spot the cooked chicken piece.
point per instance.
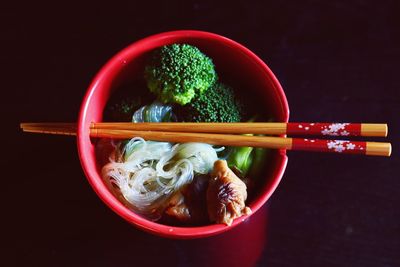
(177, 207)
(226, 195)
(189, 204)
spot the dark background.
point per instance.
(336, 60)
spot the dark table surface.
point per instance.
(336, 60)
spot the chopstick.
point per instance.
(271, 128)
(321, 145)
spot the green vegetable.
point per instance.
(217, 104)
(259, 158)
(178, 73)
(241, 158)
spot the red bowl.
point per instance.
(233, 61)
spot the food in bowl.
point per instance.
(182, 184)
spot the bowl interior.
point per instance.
(235, 65)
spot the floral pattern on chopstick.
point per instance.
(335, 129)
(329, 129)
(340, 146)
(336, 146)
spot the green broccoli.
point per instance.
(217, 104)
(178, 73)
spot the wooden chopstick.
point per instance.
(51, 131)
(338, 146)
(271, 128)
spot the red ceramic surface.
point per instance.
(232, 60)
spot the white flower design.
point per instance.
(331, 144)
(350, 146)
(339, 145)
(337, 126)
(344, 133)
(334, 128)
(325, 132)
(340, 148)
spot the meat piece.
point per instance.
(189, 204)
(195, 198)
(226, 195)
(177, 207)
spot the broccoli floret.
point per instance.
(217, 104)
(178, 73)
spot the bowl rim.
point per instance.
(111, 201)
